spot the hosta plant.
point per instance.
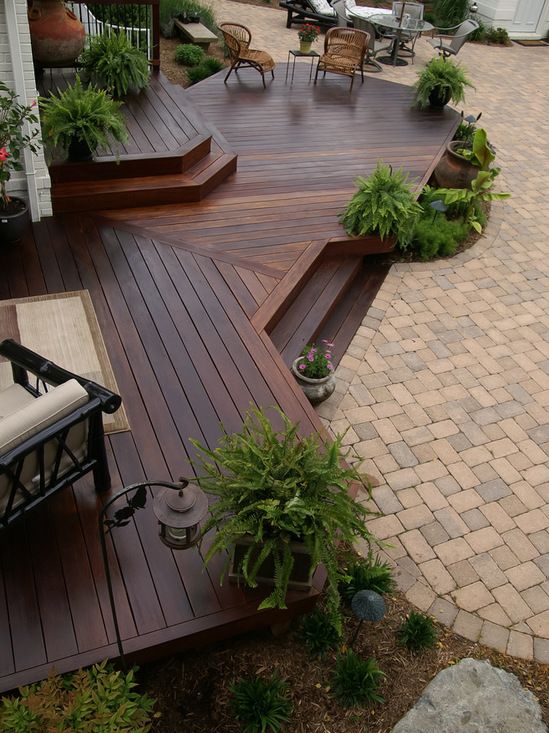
(276, 487)
(114, 64)
(261, 705)
(384, 204)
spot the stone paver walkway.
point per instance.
(445, 389)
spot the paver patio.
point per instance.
(445, 389)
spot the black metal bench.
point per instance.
(299, 11)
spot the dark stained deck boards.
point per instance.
(175, 289)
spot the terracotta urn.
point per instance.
(316, 390)
(454, 170)
(57, 36)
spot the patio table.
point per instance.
(398, 25)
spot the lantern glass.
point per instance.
(179, 514)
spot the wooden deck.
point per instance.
(192, 299)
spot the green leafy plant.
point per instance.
(471, 198)
(277, 487)
(189, 54)
(316, 360)
(442, 77)
(209, 66)
(318, 632)
(123, 16)
(385, 204)
(480, 153)
(81, 113)
(355, 680)
(261, 706)
(95, 700)
(111, 62)
(437, 236)
(417, 632)
(450, 12)
(479, 34)
(13, 139)
(498, 36)
(370, 573)
(467, 128)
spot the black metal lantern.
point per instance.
(179, 514)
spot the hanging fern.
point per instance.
(278, 487)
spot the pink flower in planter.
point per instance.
(302, 366)
(330, 367)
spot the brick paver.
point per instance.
(445, 387)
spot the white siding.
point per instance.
(500, 14)
(18, 183)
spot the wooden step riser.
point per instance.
(146, 196)
(133, 166)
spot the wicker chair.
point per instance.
(237, 39)
(344, 52)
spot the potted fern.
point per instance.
(384, 204)
(283, 506)
(440, 82)
(80, 119)
(111, 62)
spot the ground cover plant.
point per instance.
(261, 705)
(318, 632)
(355, 680)
(210, 65)
(194, 690)
(417, 632)
(189, 54)
(370, 573)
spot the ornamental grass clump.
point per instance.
(384, 204)
(356, 681)
(277, 487)
(418, 632)
(370, 573)
(261, 705)
(316, 360)
(318, 632)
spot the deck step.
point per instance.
(151, 190)
(347, 316)
(313, 306)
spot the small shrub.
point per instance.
(479, 34)
(189, 54)
(261, 706)
(417, 632)
(438, 236)
(114, 64)
(384, 203)
(318, 632)
(355, 680)
(498, 36)
(370, 573)
(94, 699)
(209, 66)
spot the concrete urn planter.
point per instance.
(316, 390)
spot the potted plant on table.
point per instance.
(283, 506)
(14, 213)
(314, 371)
(80, 119)
(440, 81)
(307, 35)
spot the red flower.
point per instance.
(4, 155)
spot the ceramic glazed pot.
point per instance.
(439, 98)
(14, 223)
(57, 36)
(316, 390)
(453, 170)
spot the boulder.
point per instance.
(474, 697)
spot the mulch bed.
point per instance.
(193, 689)
(174, 72)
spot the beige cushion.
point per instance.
(33, 417)
(13, 398)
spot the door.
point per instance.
(527, 16)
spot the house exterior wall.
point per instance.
(18, 32)
(501, 13)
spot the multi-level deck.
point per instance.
(202, 306)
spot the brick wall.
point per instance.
(18, 183)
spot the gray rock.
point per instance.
(474, 697)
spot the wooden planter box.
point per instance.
(300, 578)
